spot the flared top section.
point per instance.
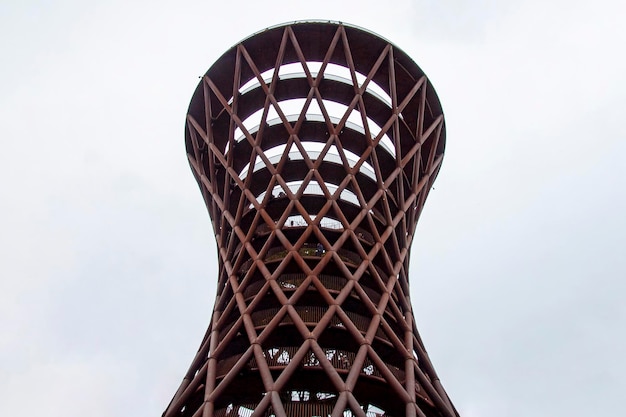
(315, 123)
(315, 40)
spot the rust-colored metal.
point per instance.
(315, 145)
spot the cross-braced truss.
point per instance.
(315, 146)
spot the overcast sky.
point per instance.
(107, 258)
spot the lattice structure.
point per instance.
(315, 145)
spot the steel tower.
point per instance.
(315, 145)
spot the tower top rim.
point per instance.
(329, 22)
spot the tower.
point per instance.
(315, 145)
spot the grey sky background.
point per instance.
(107, 257)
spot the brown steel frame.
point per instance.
(312, 319)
